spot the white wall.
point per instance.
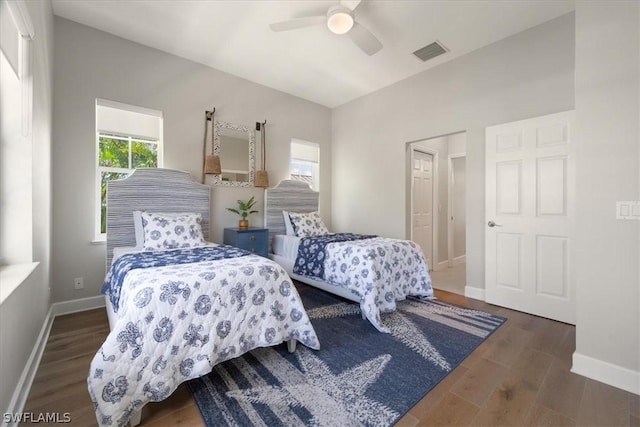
(91, 64)
(526, 75)
(607, 165)
(23, 313)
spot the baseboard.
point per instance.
(76, 305)
(606, 372)
(459, 260)
(23, 387)
(473, 292)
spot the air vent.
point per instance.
(430, 51)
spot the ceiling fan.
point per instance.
(340, 19)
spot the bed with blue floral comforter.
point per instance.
(181, 312)
(379, 271)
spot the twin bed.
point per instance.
(178, 305)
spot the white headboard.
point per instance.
(288, 195)
(152, 190)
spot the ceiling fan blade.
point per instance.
(364, 39)
(350, 4)
(294, 24)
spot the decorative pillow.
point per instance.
(288, 227)
(172, 230)
(308, 224)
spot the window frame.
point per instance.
(99, 236)
(315, 164)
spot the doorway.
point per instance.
(440, 201)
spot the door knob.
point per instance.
(493, 224)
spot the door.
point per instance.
(529, 218)
(458, 214)
(422, 203)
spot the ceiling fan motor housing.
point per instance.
(339, 19)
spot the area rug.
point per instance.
(359, 376)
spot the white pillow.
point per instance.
(288, 227)
(171, 231)
(308, 224)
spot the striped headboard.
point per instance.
(152, 190)
(288, 195)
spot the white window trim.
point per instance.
(99, 236)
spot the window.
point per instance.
(16, 150)
(126, 140)
(305, 163)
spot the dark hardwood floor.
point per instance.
(519, 377)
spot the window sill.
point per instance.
(12, 276)
(99, 240)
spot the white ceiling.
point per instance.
(312, 63)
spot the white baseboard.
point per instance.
(76, 305)
(459, 260)
(606, 372)
(473, 292)
(23, 387)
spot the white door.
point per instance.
(530, 199)
(422, 203)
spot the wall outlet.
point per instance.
(78, 283)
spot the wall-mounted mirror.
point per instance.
(236, 146)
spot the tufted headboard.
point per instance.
(152, 190)
(288, 195)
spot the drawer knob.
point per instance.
(252, 237)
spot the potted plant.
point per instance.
(244, 210)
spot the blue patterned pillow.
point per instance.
(308, 224)
(172, 230)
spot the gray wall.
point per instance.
(526, 75)
(27, 306)
(91, 64)
(607, 165)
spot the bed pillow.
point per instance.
(308, 224)
(288, 227)
(171, 231)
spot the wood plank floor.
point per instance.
(519, 377)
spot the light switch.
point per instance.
(628, 210)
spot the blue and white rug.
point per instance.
(359, 376)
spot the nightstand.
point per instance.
(255, 240)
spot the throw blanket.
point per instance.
(311, 252)
(176, 322)
(379, 271)
(127, 262)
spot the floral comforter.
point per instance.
(176, 322)
(379, 271)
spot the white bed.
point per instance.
(171, 323)
(396, 282)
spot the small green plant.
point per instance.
(244, 208)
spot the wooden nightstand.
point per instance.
(255, 240)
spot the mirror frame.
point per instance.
(221, 126)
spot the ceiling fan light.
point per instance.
(339, 20)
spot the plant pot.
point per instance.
(243, 224)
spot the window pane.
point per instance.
(106, 176)
(144, 154)
(114, 153)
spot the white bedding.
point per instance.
(176, 322)
(377, 271)
(286, 246)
